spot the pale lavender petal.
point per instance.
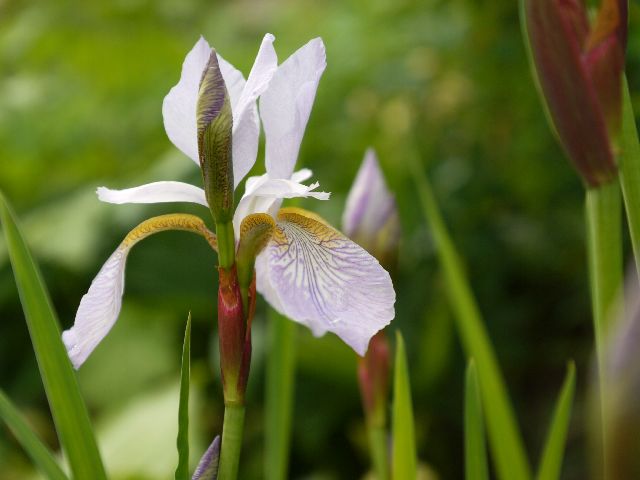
(323, 280)
(179, 106)
(157, 192)
(264, 195)
(99, 308)
(207, 469)
(370, 204)
(286, 105)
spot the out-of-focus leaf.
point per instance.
(182, 470)
(403, 461)
(551, 462)
(475, 451)
(208, 467)
(67, 407)
(505, 440)
(39, 453)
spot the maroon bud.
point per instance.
(373, 377)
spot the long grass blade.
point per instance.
(553, 452)
(182, 471)
(37, 451)
(630, 171)
(475, 450)
(280, 382)
(403, 456)
(506, 443)
(61, 386)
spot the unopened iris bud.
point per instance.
(215, 122)
(579, 68)
(373, 378)
(371, 216)
(207, 468)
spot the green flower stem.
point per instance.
(231, 442)
(280, 381)
(226, 244)
(604, 237)
(378, 450)
(505, 440)
(629, 161)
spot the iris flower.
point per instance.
(308, 271)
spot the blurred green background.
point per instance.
(446, 82)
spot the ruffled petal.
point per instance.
(99, 308)
(157, 192)
(179, 106)
(316, 276)
(286, 105)
(371, 208)
(264, 194)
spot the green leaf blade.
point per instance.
(68, 409)
(37, 451)
(474, 445)
(182, 442)
(404, 461)
(553, 452)
(506, 442)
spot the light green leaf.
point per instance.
(551, 462)
(280, 383)
(475, 451)
(403, 462)
(182, 471)
(629, 160)
(39, 453)
(61, 386)
(505, 440)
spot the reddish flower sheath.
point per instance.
(373, 377)
(580, 72)
(234, 332)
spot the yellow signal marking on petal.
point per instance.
(285, 212)
(258, 225)
(308, 221)
(173, 221)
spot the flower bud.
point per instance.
(215, 122)
(207, 468)
(579, 69)
(373, 377)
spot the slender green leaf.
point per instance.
(475, 451)
(182, 471)
(404, 445)
(280, 380)
(505, 440)
(34, 447)
(629, 160)
(61, 386)
(551, 462)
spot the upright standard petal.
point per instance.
(318, 277)
(157, 192)
(100, 306)
(179, 106)
(286, 105)
(264, 194)
(246, 125)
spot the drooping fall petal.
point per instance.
(286, 105)
(100, 306)
(316, 276)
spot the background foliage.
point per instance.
(446, 82)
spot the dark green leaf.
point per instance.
(474, 447)
(182, 471)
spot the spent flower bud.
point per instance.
(579, 68)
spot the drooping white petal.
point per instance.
(179, 106)
(286, 105)
(370, 205)
(99, 308)
(316, 276)
(264, 194)
(157, 192)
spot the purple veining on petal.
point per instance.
(207, 469)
